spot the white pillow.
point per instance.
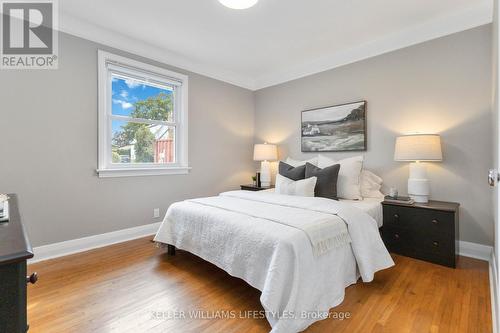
(303, 187)
(296, 163)
(348, 183)
(370, 185)
(370, 176)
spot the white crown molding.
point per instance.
(72, 246)
(86, 30)
(479, 14)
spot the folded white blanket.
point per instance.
(323, 230)
(367, 245)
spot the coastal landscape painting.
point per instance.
(334, 128)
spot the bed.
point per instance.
(300, 252)
(371, 206)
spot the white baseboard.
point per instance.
(474, 250)
(60, 249)
(494, 292)
(72, 246)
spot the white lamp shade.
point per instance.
(265, 152)
(238, 4)
(418, 147)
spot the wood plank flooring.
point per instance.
(135, 287)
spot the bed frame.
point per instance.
(170, 250)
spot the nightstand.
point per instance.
(423, 231)
(251, 187)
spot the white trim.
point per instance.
(65, 248)
(479, 13)
(494, 292)
(108, 63)
(474, 250)
(135, 172)
(83, 29)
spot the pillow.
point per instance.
(370, 185)
(290, 172)
(350, 170)
(296, 163)
(303, 187)
(326, 185)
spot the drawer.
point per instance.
(398, 216)
(442, 245)
(399, 240)
(435, 222)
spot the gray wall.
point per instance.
(48, 149)
(441, 86)
(48, 122)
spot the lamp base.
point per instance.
(419, 198)
(265, 174)
(418, 184)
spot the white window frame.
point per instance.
(109, 64)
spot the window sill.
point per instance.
(135, 172)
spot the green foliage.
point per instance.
(116, 157)
(159, 107)
(144, 145)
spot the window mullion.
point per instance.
(142, 120)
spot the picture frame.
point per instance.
(336, 128)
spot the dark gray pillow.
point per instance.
(294, 173)
(326, 185)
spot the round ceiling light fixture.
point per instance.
(238, 4)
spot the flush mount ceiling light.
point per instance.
(238, 4)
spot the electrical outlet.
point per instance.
(156, 212)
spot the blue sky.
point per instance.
(125, 93)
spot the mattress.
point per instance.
(371, 206)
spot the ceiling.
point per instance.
(274, 41)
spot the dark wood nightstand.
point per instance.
(251, 187)
(423, 231)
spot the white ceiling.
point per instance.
(272, 42)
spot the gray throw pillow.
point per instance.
(293, 173)
(326, 185)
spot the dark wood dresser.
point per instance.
(251, 187)
(423, 231)
(15, 249)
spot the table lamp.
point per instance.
(265, 153)
(418, 148)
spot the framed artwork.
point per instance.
(334, 128)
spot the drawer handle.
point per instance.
(32, 278)
(396, 217)
(436, 244)
(396, 236)
(435, 221)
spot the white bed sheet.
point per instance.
(371, 206)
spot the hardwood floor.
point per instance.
(133, 287)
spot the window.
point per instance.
(142, 119)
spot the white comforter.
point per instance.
(275, 256)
